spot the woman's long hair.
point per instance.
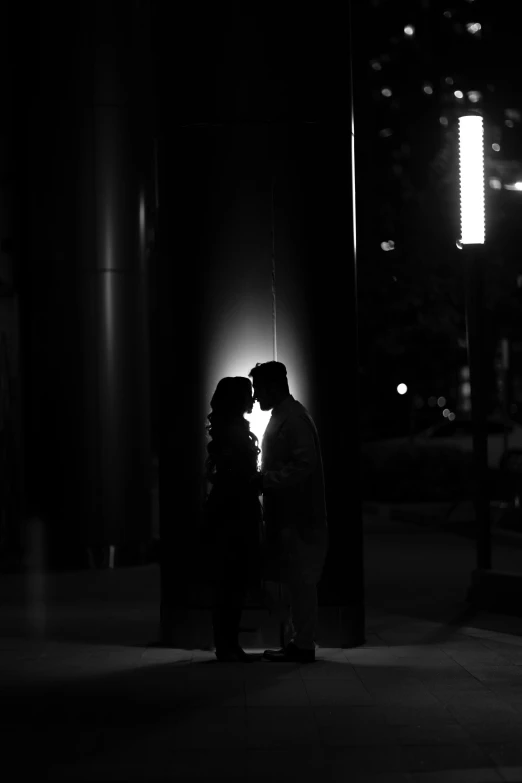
(228, 405)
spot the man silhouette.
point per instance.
(292, 484)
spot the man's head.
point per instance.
(270, 384)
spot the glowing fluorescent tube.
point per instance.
(471, 171)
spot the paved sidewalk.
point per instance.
(434, 695)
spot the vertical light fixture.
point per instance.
(471, 171)
(472, 242)
(274, 303)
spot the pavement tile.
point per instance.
(508, 652)
(280, 727)
(388, 689)
(478, 658)
(180, 765)
(373, 777)
(173, 688)
(268, 693)
(166, 655)
(511, 694)
(438, 758)
(332, 669)
(482, 775)
(479, 708)
(353, 726)
(333, 693)
(510, 774)
(371, 760)
(431, 734)
(279, 765)
(423, 651)
(503, 753)
(497, 674)
(406, 715)
(501, 732)
(364, 654)
(206, 727)
(448, 692)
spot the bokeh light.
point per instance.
(474, 96)
(402, 388)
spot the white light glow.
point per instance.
(451, 417)
(441, 402)
(258, 422)
(459, 94)
(514, 186)
(386, 92)
(402, 388)
(495, 183)
(471, 170)
(474, 27)
(446, 413)
(409, 30)
(428, 89)
(495, 147)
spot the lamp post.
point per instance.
(472, 243)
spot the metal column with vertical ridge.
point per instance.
(112, 208)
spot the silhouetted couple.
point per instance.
(294, 510)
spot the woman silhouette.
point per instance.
(233, 512)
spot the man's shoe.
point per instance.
(290, 654)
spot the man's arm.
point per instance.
(303, 460)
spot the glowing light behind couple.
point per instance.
(233, 356)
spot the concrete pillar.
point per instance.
(88, 188)
(256, 118)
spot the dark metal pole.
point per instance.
(474, 256)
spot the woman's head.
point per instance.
(233, 398)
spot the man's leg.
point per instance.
(304, 565)
(305, 569)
